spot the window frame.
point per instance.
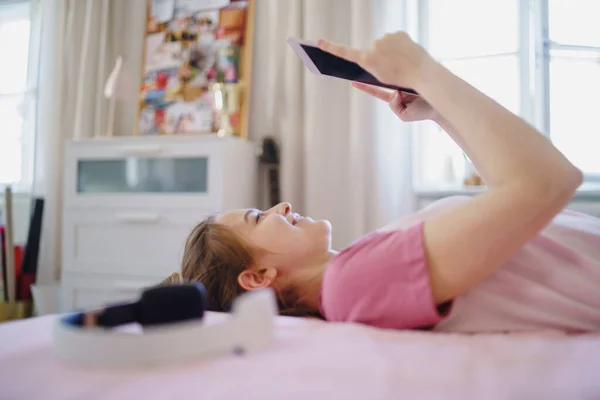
(534, 54)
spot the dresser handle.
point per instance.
(140, 150)
(138, 218)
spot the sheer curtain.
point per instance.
(19, 44)
(80, 42)
(345, 157)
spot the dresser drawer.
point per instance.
(88, 291)
(151, 173)
(126, 241)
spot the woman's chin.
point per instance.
(326, 225)
(320, 229)
(325, 231)
(322, 225)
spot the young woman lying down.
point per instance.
(509, 259)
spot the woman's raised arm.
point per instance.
(532, 180)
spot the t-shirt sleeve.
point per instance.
(381, 280)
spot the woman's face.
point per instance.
(280, 238)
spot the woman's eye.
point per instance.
(259, 217)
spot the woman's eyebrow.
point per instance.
(248, 213)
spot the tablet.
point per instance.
(320, 62)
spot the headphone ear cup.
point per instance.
(172, 303)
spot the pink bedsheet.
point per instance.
(314, 359)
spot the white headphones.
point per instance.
(169, 335)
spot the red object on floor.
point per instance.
(25, 282)
(18, 257)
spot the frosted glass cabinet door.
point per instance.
(143, 175)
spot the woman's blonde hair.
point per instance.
(215, 255)
(174, 278)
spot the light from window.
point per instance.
(574, 22)
(472, 28)
(14, 47)
(575, 108)
(496, 76)
(479, 42)
(574, 81)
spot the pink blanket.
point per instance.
(314, 359)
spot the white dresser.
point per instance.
(129, 204)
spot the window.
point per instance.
(17, 93)
(572, 56)
(539, 58)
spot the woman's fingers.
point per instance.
(396, 104)
(394, 99)
(345, 52)
(381, 94)
(397, 100)
(408, 98)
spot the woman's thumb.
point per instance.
(396, 103)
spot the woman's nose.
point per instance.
(283, 208)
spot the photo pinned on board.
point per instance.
(205, 24)
(147, 122)
(160, 13)
(179, 29)
(232, 25)
(161, 87)
(226, 66)
(200, 56)
(190, 117)
(161, 54)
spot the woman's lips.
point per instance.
(295, 219)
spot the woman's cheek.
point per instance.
(273, 233)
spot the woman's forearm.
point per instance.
(453, 133)
(505, 147)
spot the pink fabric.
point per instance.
(552, 283)
(381, 280)
(317, 360)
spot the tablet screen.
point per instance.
(331, 65)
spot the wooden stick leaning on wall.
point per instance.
(2, 272)
(9, 244)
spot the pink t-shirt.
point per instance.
(553, 282)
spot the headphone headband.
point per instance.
(248, 328)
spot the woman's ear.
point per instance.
(251, 279)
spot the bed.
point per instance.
(314, 359)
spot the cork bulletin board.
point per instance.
(196, 67)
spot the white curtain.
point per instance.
(80, 41)
(345, 157)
